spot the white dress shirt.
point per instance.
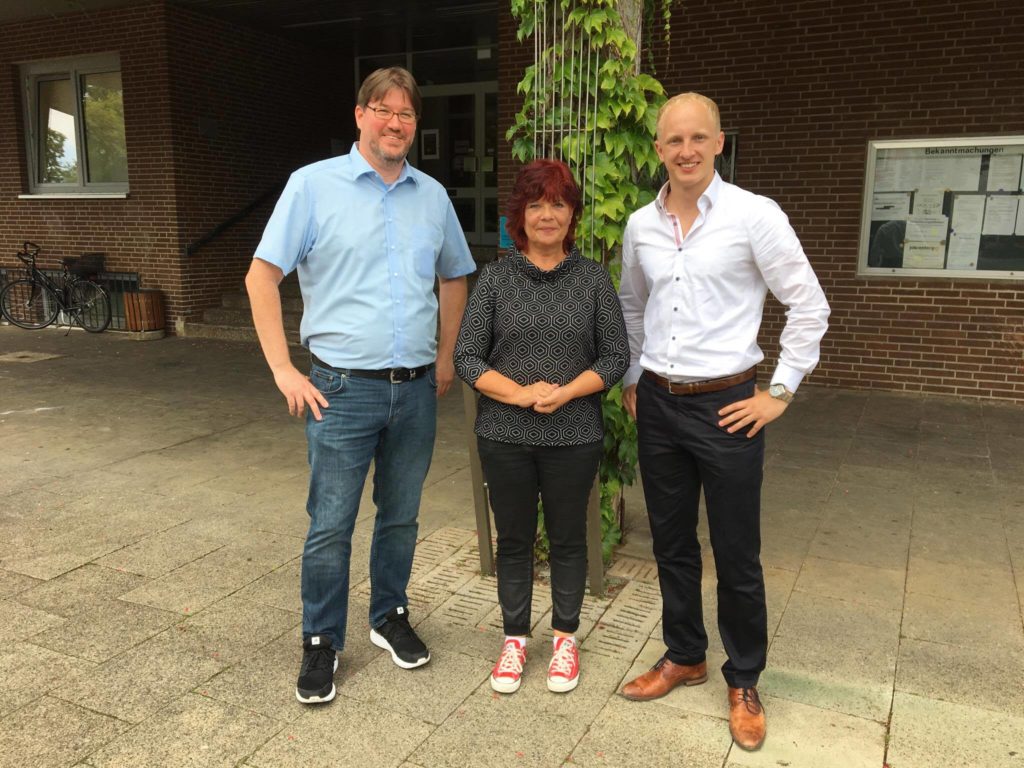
(693, 304)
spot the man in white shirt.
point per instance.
(697, 264)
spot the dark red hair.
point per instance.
(542, 180)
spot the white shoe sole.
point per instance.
(378, 639)
(563, 686)
(502, 686)
(319, 699)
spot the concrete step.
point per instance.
(230, 333)
(242, 318)
(241, 301)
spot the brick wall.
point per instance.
(215, 115)
(135, 233)
(807, 83)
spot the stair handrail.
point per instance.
(234, 218)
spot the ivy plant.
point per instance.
(585, 101)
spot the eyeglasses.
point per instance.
(385, 114)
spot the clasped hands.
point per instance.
(543, 397)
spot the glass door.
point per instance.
(457, 145)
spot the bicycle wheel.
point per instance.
(28, 304)
(90, 306)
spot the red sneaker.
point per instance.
(508, 672)
(564, 670)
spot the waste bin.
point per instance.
(144, 310)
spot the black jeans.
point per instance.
(563, 477)
(682, 449)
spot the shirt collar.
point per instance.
(532, 271)
(360, 167)
(705, 202)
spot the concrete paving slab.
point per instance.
(12, 583)
(848, 581)
(139, 682)
(625, 730)
(800, 735)
(485, 728)
(926, 733)
(162, 552)
(862, 542)
(217, 734)
(835, 654)
(967, 675)
(367, 737)
(77, 590)
(278, 589)
(991, 584)
(105, 629)
(49, 732)
(429, 693)
(28, 671)
(232, 628)
(22, 621)
(990, 627)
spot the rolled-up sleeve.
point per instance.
(476, 334)
(609, 335)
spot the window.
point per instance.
(74, 125)
(944, 208)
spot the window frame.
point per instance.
(74, 67)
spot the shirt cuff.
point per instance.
(632, 376)
(789, 377)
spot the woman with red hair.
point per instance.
(542, 337)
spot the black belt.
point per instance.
(394, 375)
(700, 387)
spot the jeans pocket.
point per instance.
(432, 377)
(327, 381)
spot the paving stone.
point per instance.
(648, 733)
(213, 733)
(28, 671)
(835, 654)
(928, 577)
(12, 583)
(21, 621)
(231, 629)
(79, 590)
(106, 629)
(995, 628)
(927, 733)
(848, 581)
(162, 552)
(429, 693)
(281, 588)
(53, 733)
(142, 680)
(368, 737)
(497, 733)
(962, 675)
(626, 625)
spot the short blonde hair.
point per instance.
(692, 96)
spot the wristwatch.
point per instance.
(779, 392)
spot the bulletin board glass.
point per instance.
(944, 208)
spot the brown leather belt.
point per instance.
(699, 387)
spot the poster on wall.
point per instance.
(944, 208)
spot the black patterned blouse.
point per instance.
(531, 325)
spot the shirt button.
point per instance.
(675, 309)
(677, 279)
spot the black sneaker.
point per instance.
(395, 635)
(316, 676)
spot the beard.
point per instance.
(388, 157)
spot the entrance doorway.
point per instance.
(457, 145)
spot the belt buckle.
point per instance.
(393, 376)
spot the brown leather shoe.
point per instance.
(746, 718)
(663, 677)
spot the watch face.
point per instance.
(775, 390)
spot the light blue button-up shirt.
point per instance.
(367, 254)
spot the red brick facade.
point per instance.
(215, 115)
(806, 84)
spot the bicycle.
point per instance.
(34, 301)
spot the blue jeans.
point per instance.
(394, 425)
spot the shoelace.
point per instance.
(562, 660)
(511, 660)
(321, 658)
(751, 701)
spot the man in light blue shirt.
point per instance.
(368, 234)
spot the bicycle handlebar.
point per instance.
(28, 252)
